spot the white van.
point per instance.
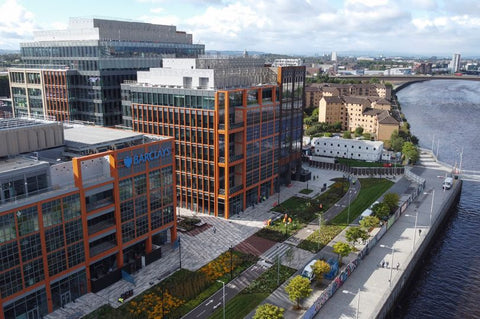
(366, 212)
(308, 270)
(447, 183)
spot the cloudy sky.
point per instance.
(423, 27)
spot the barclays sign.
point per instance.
(146, 157)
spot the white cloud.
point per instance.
(16, 24)
(157, 10)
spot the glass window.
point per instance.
(9, 256)
(155, 180)
(140, 184)
(76, 254)
(33, 272)
(31, 247)
(10, 282)
(27, 220)
(125, 188)
(142, 225)
(56, 262)
(52, 213)
(54, 238)
(71, 206)
(74, 231)
(7, 228)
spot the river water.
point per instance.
(447, 284)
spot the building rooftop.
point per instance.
(12, 123)
(83, 138)
(15, 164)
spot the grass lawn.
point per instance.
(243, 303)
(371, 190)
(315, 243)
(302, 211)
(306, 191)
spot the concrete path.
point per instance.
(372, 283)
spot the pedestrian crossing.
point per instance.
(276, 251)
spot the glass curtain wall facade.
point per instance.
(54, 250)
(292, 99)
(226, 142)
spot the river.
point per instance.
(447, 284)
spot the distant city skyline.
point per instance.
(307, 27)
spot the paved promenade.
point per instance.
(200, 249)
(369, 285)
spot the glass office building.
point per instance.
(95, 56)
(237, 127)
(69, 226)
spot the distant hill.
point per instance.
(2, 51)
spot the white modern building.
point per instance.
(455, 63)
(347, 148)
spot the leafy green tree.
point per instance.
(347, 134)
(268, 311)
(391, 200)
(337, 126)
(328, 134)
(342, 249)
(369, 222)
(359, 131)
(410, 152)
(353, 234)
(396, 142)
(381, 210)
(298, 288)
(367, 136)
(320, 268)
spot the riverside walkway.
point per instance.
(366, 291)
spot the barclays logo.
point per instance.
(146, 157)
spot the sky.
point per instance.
(299, 27)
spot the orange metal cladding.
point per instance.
(56, 94)
(166, 124)
(41, 230)
(77, 173)
(227, 133)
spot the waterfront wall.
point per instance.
(401, 284)
(349, 268)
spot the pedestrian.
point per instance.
(419, 232)
(398, 265)
(383, 263)
(214, 230)
(386, 264)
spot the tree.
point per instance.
(298, 288)
(381, 210)
(391, 200)
(347, 134)
(410, 152)
(353, 234)
(396, 142)
(359, 131)
(367, 136)
(337, 126)
(268, 311)
(320, 268)
(369, 222)
(342, 249)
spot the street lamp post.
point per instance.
(319, 227)
(231, 262)
(431, 205)
(391, 266)
(349, 199)
(223, 293)
(415, 231)
(357, 311)
(180, 251)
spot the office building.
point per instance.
(75, 214)
(455, 63)
(237, 127)
(75, 74)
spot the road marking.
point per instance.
(217, 305)
(201, 313)
(209, 302)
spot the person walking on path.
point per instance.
(398, 265)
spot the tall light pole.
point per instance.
(319, 227)
(415, 231)
(180, 251)
(391, 266)
(431, 205)
(223, 293)
(349, 199)
(357, 311)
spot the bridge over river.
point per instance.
(428, 159)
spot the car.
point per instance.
(447, 183)
(308, 270)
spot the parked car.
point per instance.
(447, 183)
